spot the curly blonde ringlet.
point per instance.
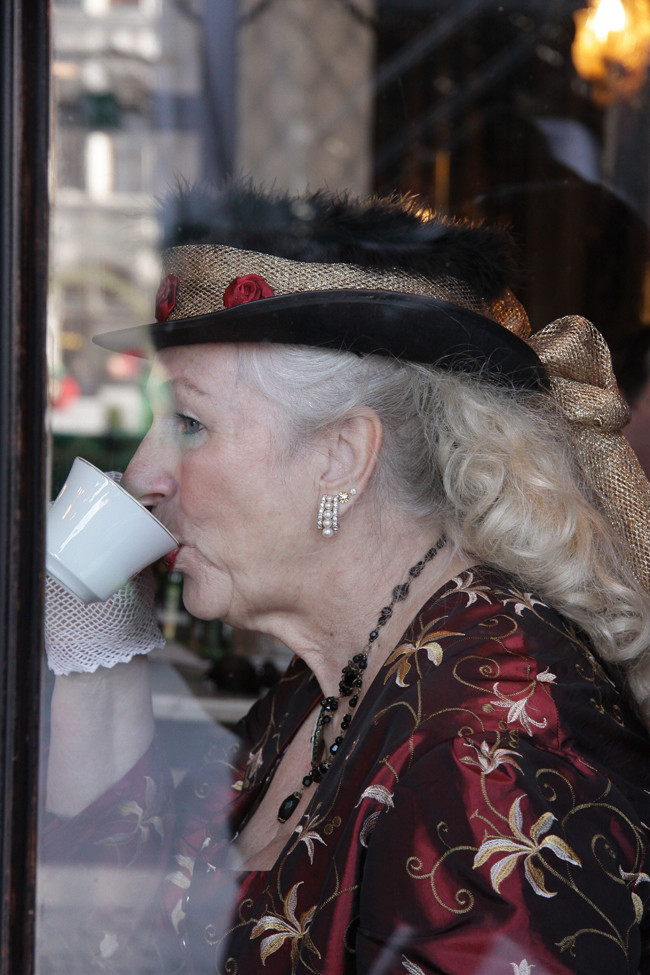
(493, 466)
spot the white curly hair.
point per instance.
(491, 465)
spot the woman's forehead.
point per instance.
(206, 367)
(211, 373)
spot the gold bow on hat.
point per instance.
(579, 365)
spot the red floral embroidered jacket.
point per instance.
(487, 814)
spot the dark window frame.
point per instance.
(24, 130)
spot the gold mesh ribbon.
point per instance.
(582, 382)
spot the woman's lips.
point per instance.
(170, 559)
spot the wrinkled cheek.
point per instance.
(198, 494)
(203, 517)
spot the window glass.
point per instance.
(522, 114)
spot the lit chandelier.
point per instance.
(611, 48)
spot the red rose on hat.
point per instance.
(248, 287)
(166, 297)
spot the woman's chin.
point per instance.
(199, 604)
(197, 609)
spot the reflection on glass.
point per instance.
(478, 109)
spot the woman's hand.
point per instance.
(80, 637)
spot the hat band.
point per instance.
(204, 273)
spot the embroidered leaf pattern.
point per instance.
(488, 759)
(178, 915)
(146, 818)
(381, 794)
(439, 690)
(368, 826)
(139, 821)
(399, 662)
(411, 967)
(522, 601)
(518, 703)
(527, 846)
(290, 927)
(545, 677)
(309, 837)
(253, 765)
(473, 590)
(182, 877)
(633, 880)
(434, 652)
(378, 792)
(523, 968)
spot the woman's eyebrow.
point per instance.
(188, 385)
(158, 388)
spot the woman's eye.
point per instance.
(187, 424)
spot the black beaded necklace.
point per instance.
(349, 687)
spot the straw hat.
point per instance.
(386, 277)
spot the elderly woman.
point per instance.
(361, 455)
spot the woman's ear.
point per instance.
(353, 446)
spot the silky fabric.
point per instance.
(484, 815)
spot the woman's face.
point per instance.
(209, 466)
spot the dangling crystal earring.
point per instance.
(328, 511)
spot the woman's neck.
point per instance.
(350, 586)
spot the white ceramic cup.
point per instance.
(99, 535)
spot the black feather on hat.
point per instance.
(327, 228)
(377, 276)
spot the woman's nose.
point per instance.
(149, 476)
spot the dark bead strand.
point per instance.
(349, 687)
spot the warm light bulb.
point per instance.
(611, 48)
(608, 16)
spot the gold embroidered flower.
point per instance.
(633, 880)
(489, 758)
(253, 765)
(288, 927)
(472, 590)
(307, 835)
(146, 818)
(517, 709)
(528, 847)
(522, 601)
(399, 661)
(142, 821)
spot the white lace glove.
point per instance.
(81, 637)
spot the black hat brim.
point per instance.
(414, 328)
